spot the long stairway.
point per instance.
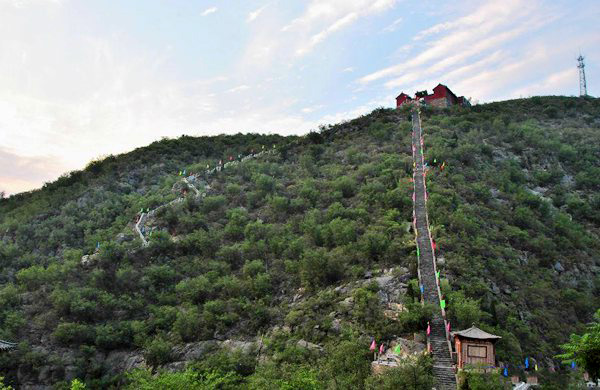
(438, 339)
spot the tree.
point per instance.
(348, 365)
(410, 375)
(475, 380)
(585, 350)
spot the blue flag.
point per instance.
(422, 289)
(505, 371)
(98, 245)
(526, 362)
(573, 364)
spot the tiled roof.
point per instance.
(476, 333)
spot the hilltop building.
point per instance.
(442, 96)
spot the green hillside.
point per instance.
(297, 259)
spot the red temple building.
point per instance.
(442, 96)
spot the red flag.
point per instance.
(434, 245)
(373, 346)
(230, 158)
(428, 328)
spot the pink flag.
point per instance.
(381, 349)
(373, 346)
(428, 329)
(434, 245)
(448, 326)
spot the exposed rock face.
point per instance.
(122, 361)
(310, 346)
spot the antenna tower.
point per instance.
(582, 85)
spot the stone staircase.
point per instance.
(139, 227)
(443, 368)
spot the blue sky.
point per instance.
(83, 79)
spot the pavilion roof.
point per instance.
(476, 333)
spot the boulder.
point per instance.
(310, 346)
(122, 361)
(122, 237)
(558, 267)
(194, 351)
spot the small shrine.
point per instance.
(474, 346)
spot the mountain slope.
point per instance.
(281, 252)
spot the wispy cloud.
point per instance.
(394, 25)
(239, 88)
(209, 11)
(464, 40)
(256, 13)
(348, 69)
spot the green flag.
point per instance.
(443, 303)
(398, 350)
(437, 274)
(418, 254)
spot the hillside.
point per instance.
(295, 260)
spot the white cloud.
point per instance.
(348, 69)
(308, 110)
(256, 13)
(394, 25)
(472, 35)
(209, 11)
(239, 88)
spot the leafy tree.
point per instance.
(410, 375)
(348, 365)
(585, 349)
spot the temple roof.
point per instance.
(6, 345)
(476, 333)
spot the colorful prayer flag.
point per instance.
(505, 371)
(437, 274)
(381, 349)
(573, 364)
(428, 328)
(535, 367)
(448, 326)
(422, 289)
(373, 346)
(443, 303)
(526, 362)
(418, 254)
(398, 350)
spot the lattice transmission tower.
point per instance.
(582, 85)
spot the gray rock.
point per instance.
(194, 351)
(237, 345)
(336, 326)
(122, 237)
(558, 267)
(384, 281)
(310, 346)
(121, 361)
(71, 372)
(175, 366)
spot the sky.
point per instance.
(80, 80)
